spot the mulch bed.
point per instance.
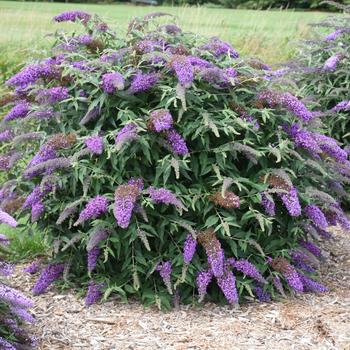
(304, 322)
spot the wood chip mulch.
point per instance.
(307, 321)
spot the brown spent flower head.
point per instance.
(61, 140)
(127, 190)
(180, 50)
(229, 201)
(258, 104)
(237, 108)
(280, 264)
(4, 100)
(276, 182)
(96, 45)
(209, 241)
(10, 206)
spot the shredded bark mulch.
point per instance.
(306, 321)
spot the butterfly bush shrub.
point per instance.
(14, 306)
(162, 165)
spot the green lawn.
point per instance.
(268, 34)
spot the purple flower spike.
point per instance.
(189, 248)
(112, 82)
(249, 269)
(95, 208)
(53, 95)
(315, 214)
(92, 258)
(47, 277)
(263, 296)
(7, 219)
(312, 248)
(37, 210)
(94, 293)
(125, 200)
(202, 281)
(162, 195)
(127, 134)
(15, 298)
(268, 204)
(95, 144)
(219, 48)
(6, 268)
(177, 143)
(21, 110)
(33, 268)
(183, 70)
(331, 64)
(5, 345)
(311, 285)
(227, 283)
(72, 16)
(161, 120)
(291, 202)
(165, 270)
(342, 106)
(334, 35)
(143, 82)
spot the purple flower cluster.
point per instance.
(331, 63)
(14, 298)
(198, 62)
(249, 269)
(6, 268)
(334, 35)
(189, 248)
(268, 204)
(20, 110)
(72, 16)
(38, 193)
(92, 258)
(95, 144)
(217, 76)
(33, 268)
(84, 39)
(183, 70)
(262, 295)
(162, 195)
(7, 219)
(50, 274)
(38, 209)
(161, 120)
(6, 135)
(96, 237)
(94, 293)
(227, 284)
(295, 106)
(165, 270)
(342, 106)
(202, 282)
(23, 314)
(30, 74)
(301, 260)
(330, 146)
(112, 82)
(125, 200)
(312, 248)
(143, 82)
(291, 202)
(95, 208)
(219, 48)
(115, 56)
(310, 285)
(177, 143)
(53, 95)
(315, 214)
(5, 345)
(4, 240)
(304, 139)
(127, 134)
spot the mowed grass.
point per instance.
(267, 34)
